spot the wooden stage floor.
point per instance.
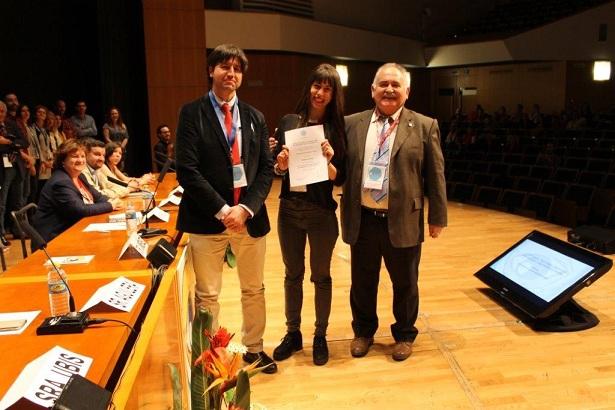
(470, 352)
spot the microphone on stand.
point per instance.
(147, 231)
(72, 322)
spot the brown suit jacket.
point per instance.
(416, 170)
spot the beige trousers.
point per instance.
(208, 257)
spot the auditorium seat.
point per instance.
(462, 192)
(460, 176)
(575, 162)
(486, 196)
(540, 172)
(528, 184)
(592, 178)
(599, 165)
(609, 181)
(565, 175)
(512, 200)
(482, 178)
(478, 166)
(555, 188)
(539, 206)
(518, 170)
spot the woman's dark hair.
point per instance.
(226, 52)
(334, 112)
(110, 149)
(64, 150)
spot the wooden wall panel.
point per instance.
(175, 58)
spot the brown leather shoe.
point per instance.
(402, 350)
(360, 346)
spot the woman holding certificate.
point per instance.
(308, 211)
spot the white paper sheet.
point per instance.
(42, 380)
(27, 316)
(71, 260)
(105, 227)
(121, 294)
(306, 164)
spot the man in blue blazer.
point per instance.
(225, 167)
(393, 161)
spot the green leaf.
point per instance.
(242, 391)
(229, 257)
(177, 387)
(199, 379)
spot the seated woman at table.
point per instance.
(113, 157)
(67, 197)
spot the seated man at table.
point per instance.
(95, 159)
(67, 196)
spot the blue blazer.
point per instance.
(61, 205)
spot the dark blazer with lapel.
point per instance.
(61, 205)
(416, 169)
(205, 171)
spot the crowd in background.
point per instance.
(32, 135)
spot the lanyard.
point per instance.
(384, 135)
(230, 139)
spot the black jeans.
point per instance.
(402, 264)
(298, 220)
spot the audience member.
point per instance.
(30, 155)
(83, 124)
(68, 197)
(114, 130)
(44, 145)
(12, 168)
(164, 148)
(113, 157)
(95, 159)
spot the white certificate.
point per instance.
(306, 164)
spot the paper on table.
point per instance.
(157, 213)
(121, 294)
(173, 199)
(43, 379)
(121, 217)
(27, 316)
(105, 227)
(71, 260)
(306, 164)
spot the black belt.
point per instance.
(379, 213)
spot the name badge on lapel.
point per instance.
(239, 176)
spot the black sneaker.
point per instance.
(320, 351)
(291, 343)
(265, 360)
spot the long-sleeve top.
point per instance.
(320, 193)
(84, 127)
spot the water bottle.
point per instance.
(58, 292)
(132, 224)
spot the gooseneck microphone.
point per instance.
(39, 243)
(147, 231)
(72, 322)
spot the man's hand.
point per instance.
(235, 219)
(435, 230)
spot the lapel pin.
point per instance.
(410, 123)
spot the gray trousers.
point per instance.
(298, 220)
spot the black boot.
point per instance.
(320, 351)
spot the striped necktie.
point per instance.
(381, 157)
